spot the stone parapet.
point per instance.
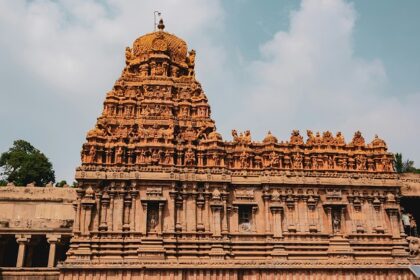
(36, 209)
(410, 184)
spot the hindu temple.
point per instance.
(161, 195)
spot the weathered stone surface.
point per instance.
(31, 208)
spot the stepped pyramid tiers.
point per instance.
(162, 196)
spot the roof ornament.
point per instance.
(154, 16)
(161, 26)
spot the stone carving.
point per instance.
(339, 139)
(358, 139)
(296, 138)
(243, 138)
(336, 222)
(414, 245)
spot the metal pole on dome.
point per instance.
(154, 15)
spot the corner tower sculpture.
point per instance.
(162, 196)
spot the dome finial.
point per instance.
(161, 26)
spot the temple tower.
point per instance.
(162, 196)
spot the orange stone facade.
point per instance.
(163, 196)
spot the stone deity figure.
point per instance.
(118, 155)
(128, 55)
(336, 222)
(297, 161)
(191, 58)
(189, 158)
(92, 154)
(245, 226)
(153, 220)
(414, 246)
(274, 160)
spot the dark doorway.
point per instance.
(152, 217)
(62, 248)
(9, 252)
(245, 218)
(37, 252)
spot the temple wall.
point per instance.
(20, 205)
(202, 220)
(35, 231)
(239, 274)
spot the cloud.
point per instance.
(309, 77)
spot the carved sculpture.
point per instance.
(414, 245)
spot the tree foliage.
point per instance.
(404, 166)
(23, 164)
(61, 184)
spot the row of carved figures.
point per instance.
(157, 67)
(157, 110)
(121, 155)
(326, 139)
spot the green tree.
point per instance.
(403, 166)
(61, 183)
(23, 164)
(398, 162)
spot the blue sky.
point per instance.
(335, 65)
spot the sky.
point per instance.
(336, 65)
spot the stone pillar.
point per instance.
(185, 210)
(254, 218)
(234, 220)
(52, 240)
(119, 210)
(277, 226)
(77, 209)
(266, 198)
(160, 226)
(191, 214)
(172, 210)
(329, 220)
(145, 210)
(96, 212)
(178, 210)
(104, 211)
(376, 211)
(126, 212)
(206, 218)
(110, 215)
(224, 217)
(393, 218)
(138, 212)
(87, 204)
(343, 220)
(133, 194)
(200, 206)
(217, 209)
(22, 240)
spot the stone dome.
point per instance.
(163, 42)
(378, 142)
(270, 138)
